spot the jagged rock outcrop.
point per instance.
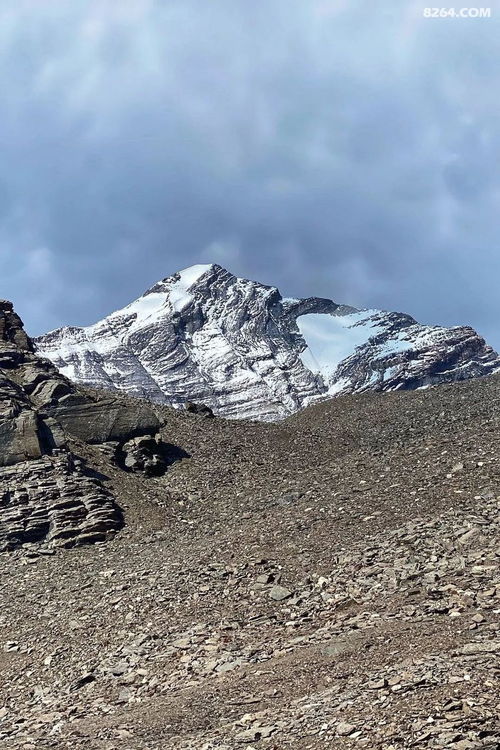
(242, 350)
(39, 407)
(46, 497)
(51, 501)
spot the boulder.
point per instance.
(20, 438)
(103, 420)
(148, 455)
(144, 454)
(201, 409)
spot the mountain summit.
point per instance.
(238, 346)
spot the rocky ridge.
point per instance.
(46, 495)
(207, 336)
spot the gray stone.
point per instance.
(280, 593)
(344, 729)
(487, 647)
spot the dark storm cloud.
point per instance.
(347, 149)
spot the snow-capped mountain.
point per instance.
(238, 346)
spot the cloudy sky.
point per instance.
(342, 148)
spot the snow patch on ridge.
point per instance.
(145, 311)
(332, 338)
(147, 308)
(179, 291)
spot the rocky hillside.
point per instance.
(239, 347)
(328, 581)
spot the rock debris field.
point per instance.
(330, 581)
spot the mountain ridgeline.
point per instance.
(239, 347)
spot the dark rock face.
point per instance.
(11, 327)
(103, 420)
(20, 424)
(46, 497)
(244, 351)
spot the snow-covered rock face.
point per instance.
(205, 335)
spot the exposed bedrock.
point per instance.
(46, 496)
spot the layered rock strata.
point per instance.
(52, 502)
